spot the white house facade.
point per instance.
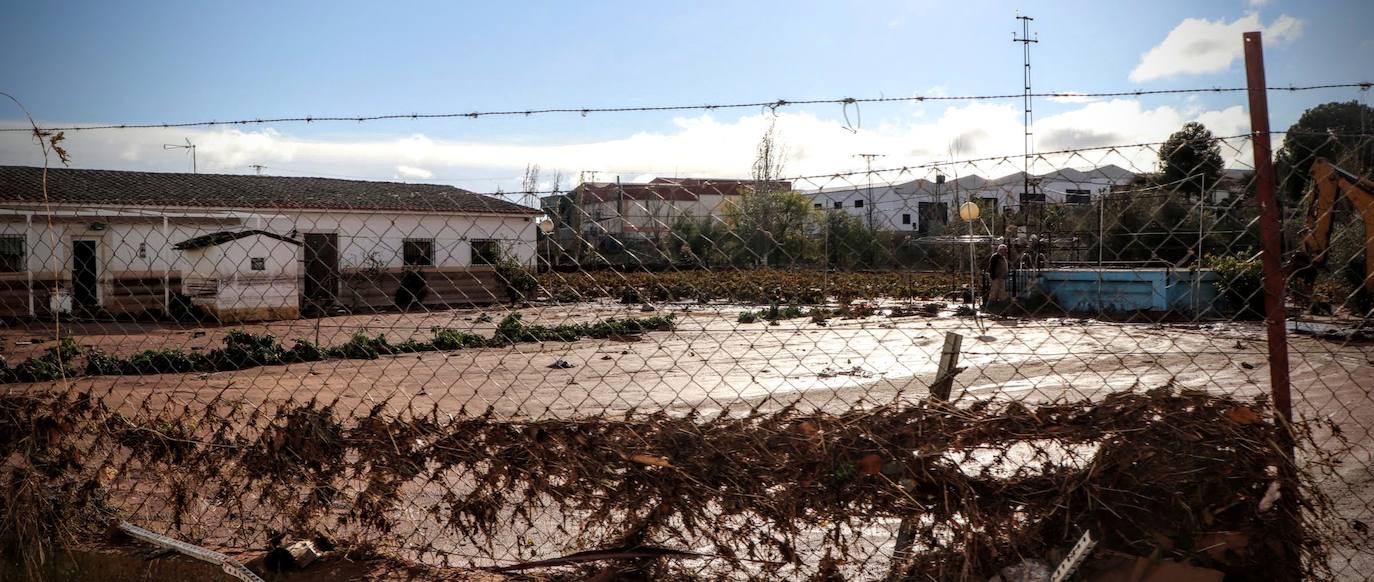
(107, 239)
(922, 206)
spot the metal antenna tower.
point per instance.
(868, 202)
(1025, 39)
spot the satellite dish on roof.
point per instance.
(546, 226)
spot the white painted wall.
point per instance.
(890, 202)
(227, 268)
(892, 205)
(367, 237)
(649, 216)
(135, 240)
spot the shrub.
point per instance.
(520, 284)
(99, 363)
(1240, 282)
(453, 339)
(305, 350)
(247, 350)
(362, 347)
(616, 327)
(167, 361)
(748, 317)
(55, 363)
(513, 329)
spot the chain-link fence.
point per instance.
(969, 369)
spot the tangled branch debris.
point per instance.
(765, 495)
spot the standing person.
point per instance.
(998, 269)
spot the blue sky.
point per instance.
(95, 62)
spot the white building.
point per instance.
(921, 205)
(605, 215)
(106, 239)
(217, 282)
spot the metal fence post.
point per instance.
(1271, 237)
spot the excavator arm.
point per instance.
(1329, 181)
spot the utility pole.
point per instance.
(578, 215)
(1029, 144)
(868, 202)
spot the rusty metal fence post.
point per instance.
(1275, 281)
(1271, 237)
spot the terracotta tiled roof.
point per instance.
(678, 189)
(163, 189)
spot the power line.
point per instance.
(767, 105)
(1005, 158)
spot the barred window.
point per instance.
(11, 254)
(417, 252)
(485, 252)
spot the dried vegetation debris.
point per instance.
(243, 350)
(757, 286)
(1167, 472)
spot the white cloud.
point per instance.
(1198, 46)
(701, 146)
(413, 172)
(1257, 3)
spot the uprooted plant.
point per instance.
(243, 350)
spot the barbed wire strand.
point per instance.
(766, 105)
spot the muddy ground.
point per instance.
(711, 363)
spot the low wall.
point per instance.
(445, 287)
(1127, 290)
(246, 297)
(131, 293)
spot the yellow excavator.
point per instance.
(1329, 180)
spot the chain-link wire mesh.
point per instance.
(953, 371)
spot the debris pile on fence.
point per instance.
(778, 494)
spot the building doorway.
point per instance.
(321, 272)
(85, 274)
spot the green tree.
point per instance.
(771, 227)
(699, 242)
(1190, 159)
(1162, 227)
(1331, 130)
(850, 244)
(770, 224)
